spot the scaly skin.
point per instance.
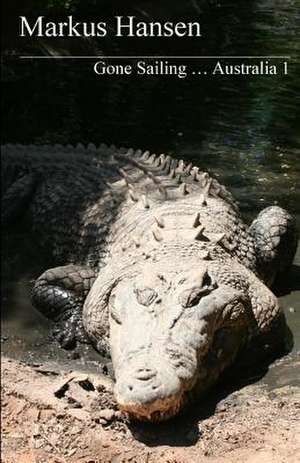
(171, 280)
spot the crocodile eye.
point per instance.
(191, 296)
(145, 296)
(114, 312)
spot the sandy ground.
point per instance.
(50, 416)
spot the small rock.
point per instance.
(80, 414)
(292, 309)
(107, 414)
(36, 430)
(38, 444)
(62, 386)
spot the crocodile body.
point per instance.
(155, 265)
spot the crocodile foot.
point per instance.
(59, 294)
(276, 237)
(69, 332)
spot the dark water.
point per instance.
(244, 130)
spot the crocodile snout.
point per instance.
(145, 392)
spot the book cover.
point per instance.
(150, 208)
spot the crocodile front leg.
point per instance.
(59, 294)
(276, 236)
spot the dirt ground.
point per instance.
(50, 416)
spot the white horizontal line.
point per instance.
(154, 57)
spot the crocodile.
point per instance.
(152, 264)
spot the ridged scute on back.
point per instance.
(168, 175)
(165, 173)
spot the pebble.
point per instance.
(36, 430)
(107, 414)
(75, 430)
(38, 444)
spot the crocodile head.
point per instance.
(162, 326)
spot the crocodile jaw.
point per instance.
(158, 410)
